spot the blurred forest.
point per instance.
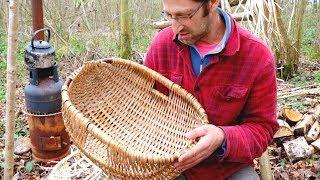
(84, 30)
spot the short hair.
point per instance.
(206, 10)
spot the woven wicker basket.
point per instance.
(125, 126)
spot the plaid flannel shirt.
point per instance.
(237, 89)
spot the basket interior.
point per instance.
(121, 102)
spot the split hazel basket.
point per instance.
(117, 118)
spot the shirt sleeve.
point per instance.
(220, 152)
(250, 139)
(148, 61)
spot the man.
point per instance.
(232, 74)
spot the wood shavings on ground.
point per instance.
(76, 166)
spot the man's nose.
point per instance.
(176, 26)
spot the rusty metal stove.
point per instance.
(49, 140)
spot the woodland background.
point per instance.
(84, 30)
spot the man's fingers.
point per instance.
(196, 158)
(202, 149)
(191, 162)
(202, 145)
(197, 132)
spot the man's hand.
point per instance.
(210, 138)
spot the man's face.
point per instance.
(188, 19)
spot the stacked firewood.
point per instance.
(303, 128)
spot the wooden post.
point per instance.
(125, 42)
(265, 167)
(11, 88)
(37, 18)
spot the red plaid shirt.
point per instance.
(237, 89)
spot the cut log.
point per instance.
(313, 149)
(317, 112)
(284, 130)
(279, 112)
(313, 103)
(316, 144)
(314, 132)
(297, 149)
(306, 101)
(292, 114)
(265, 166)
(309, 102)
(303, 126)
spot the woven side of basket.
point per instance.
(116, 117)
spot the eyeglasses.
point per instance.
(183, 18)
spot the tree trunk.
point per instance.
(11, 88)
(302, 5)
(315, 6)
(284, 54)
(289, 43)
(125, 42)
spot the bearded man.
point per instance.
(232, 74)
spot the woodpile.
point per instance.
(299, 132)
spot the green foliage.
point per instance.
(317, 76)
(310, 38)
(298, 105)
(2, 94)
(311, 52)
(1, 160)
(296, 78)
(299, 80)
(29, 166)
(78, 3)
(21, 130)
(294, 103)
(3, 66)
(309, 43)
(283, 162)
(62, 52)
(1, 165)
(141, 43)
(108, 46)
(77, 45)
(3, 45)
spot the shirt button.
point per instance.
(228, 99)
(197, 89)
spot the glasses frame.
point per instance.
(183, 18)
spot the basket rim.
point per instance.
(104, 137)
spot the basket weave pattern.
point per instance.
(129, 129)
